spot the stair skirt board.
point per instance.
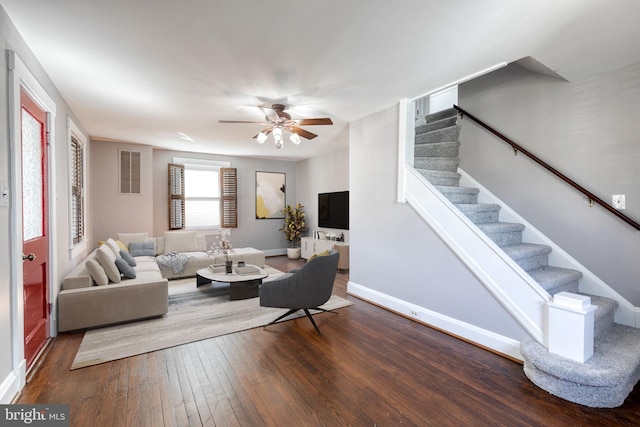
(496, 343)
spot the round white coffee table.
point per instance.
(242, 286)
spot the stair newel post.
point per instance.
(571, 326)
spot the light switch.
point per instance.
(4, 195)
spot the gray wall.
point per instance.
(322, 174)
(393, 251)
(261, 234)
(112, 213)
(10, 39)
(588, 130)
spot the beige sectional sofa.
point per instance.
(83, 304)
(191, 248)
(95, 293)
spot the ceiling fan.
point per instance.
(278, 121)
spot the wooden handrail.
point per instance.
(517, 148)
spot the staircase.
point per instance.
(609, 376)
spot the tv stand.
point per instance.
(312, 246)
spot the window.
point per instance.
(195, 199)
(201, 197)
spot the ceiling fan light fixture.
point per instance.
(277, 134)
(262, 137)
(295, 138)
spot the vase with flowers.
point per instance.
(294, 226)
(223, 247)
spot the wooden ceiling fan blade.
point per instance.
(314, 122)
(242, 121)
(303, 133)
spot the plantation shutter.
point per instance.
(228, 198)
(129, 172)
(176, 196)
(77, 191)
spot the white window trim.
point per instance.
(203, 164)
(79, 248)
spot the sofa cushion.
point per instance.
(97, 273)
(127, 238)
(122, 246)
(142, 249)
(180, 241)
(107, 260)
(128, 257)
(111, 244)
(125, 269)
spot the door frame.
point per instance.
(20, 76)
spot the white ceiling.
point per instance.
(144, 71)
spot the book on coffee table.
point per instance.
(247, 269)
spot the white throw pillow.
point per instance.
(113, 246)
(97, 272)
(127, 238)
(180, 241)
(107, 260)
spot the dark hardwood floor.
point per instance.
(370, 368)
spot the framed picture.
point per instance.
(270, 195)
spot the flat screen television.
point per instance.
(333, 210)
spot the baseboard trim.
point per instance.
(275, 252)
(488, 340)
(12, 384)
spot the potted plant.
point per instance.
(294, 226)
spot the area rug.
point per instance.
(194, 314)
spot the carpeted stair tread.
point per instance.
(521, 250)
(458, 194)
(447, 134)
(437, 149)
(480, 213)
(457, 189)
(439, 115)
(438, 124)
(603, 381)
(556, 279)
(503, 233)
(440, 177)
(604, 315)
(529, 256)
(449, 164)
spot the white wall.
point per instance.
(394, 252)
(586, 129)
(10, 39)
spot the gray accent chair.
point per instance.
(305, 288)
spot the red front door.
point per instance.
(34, 227)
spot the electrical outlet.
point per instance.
(618, 201)
(414, 313)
